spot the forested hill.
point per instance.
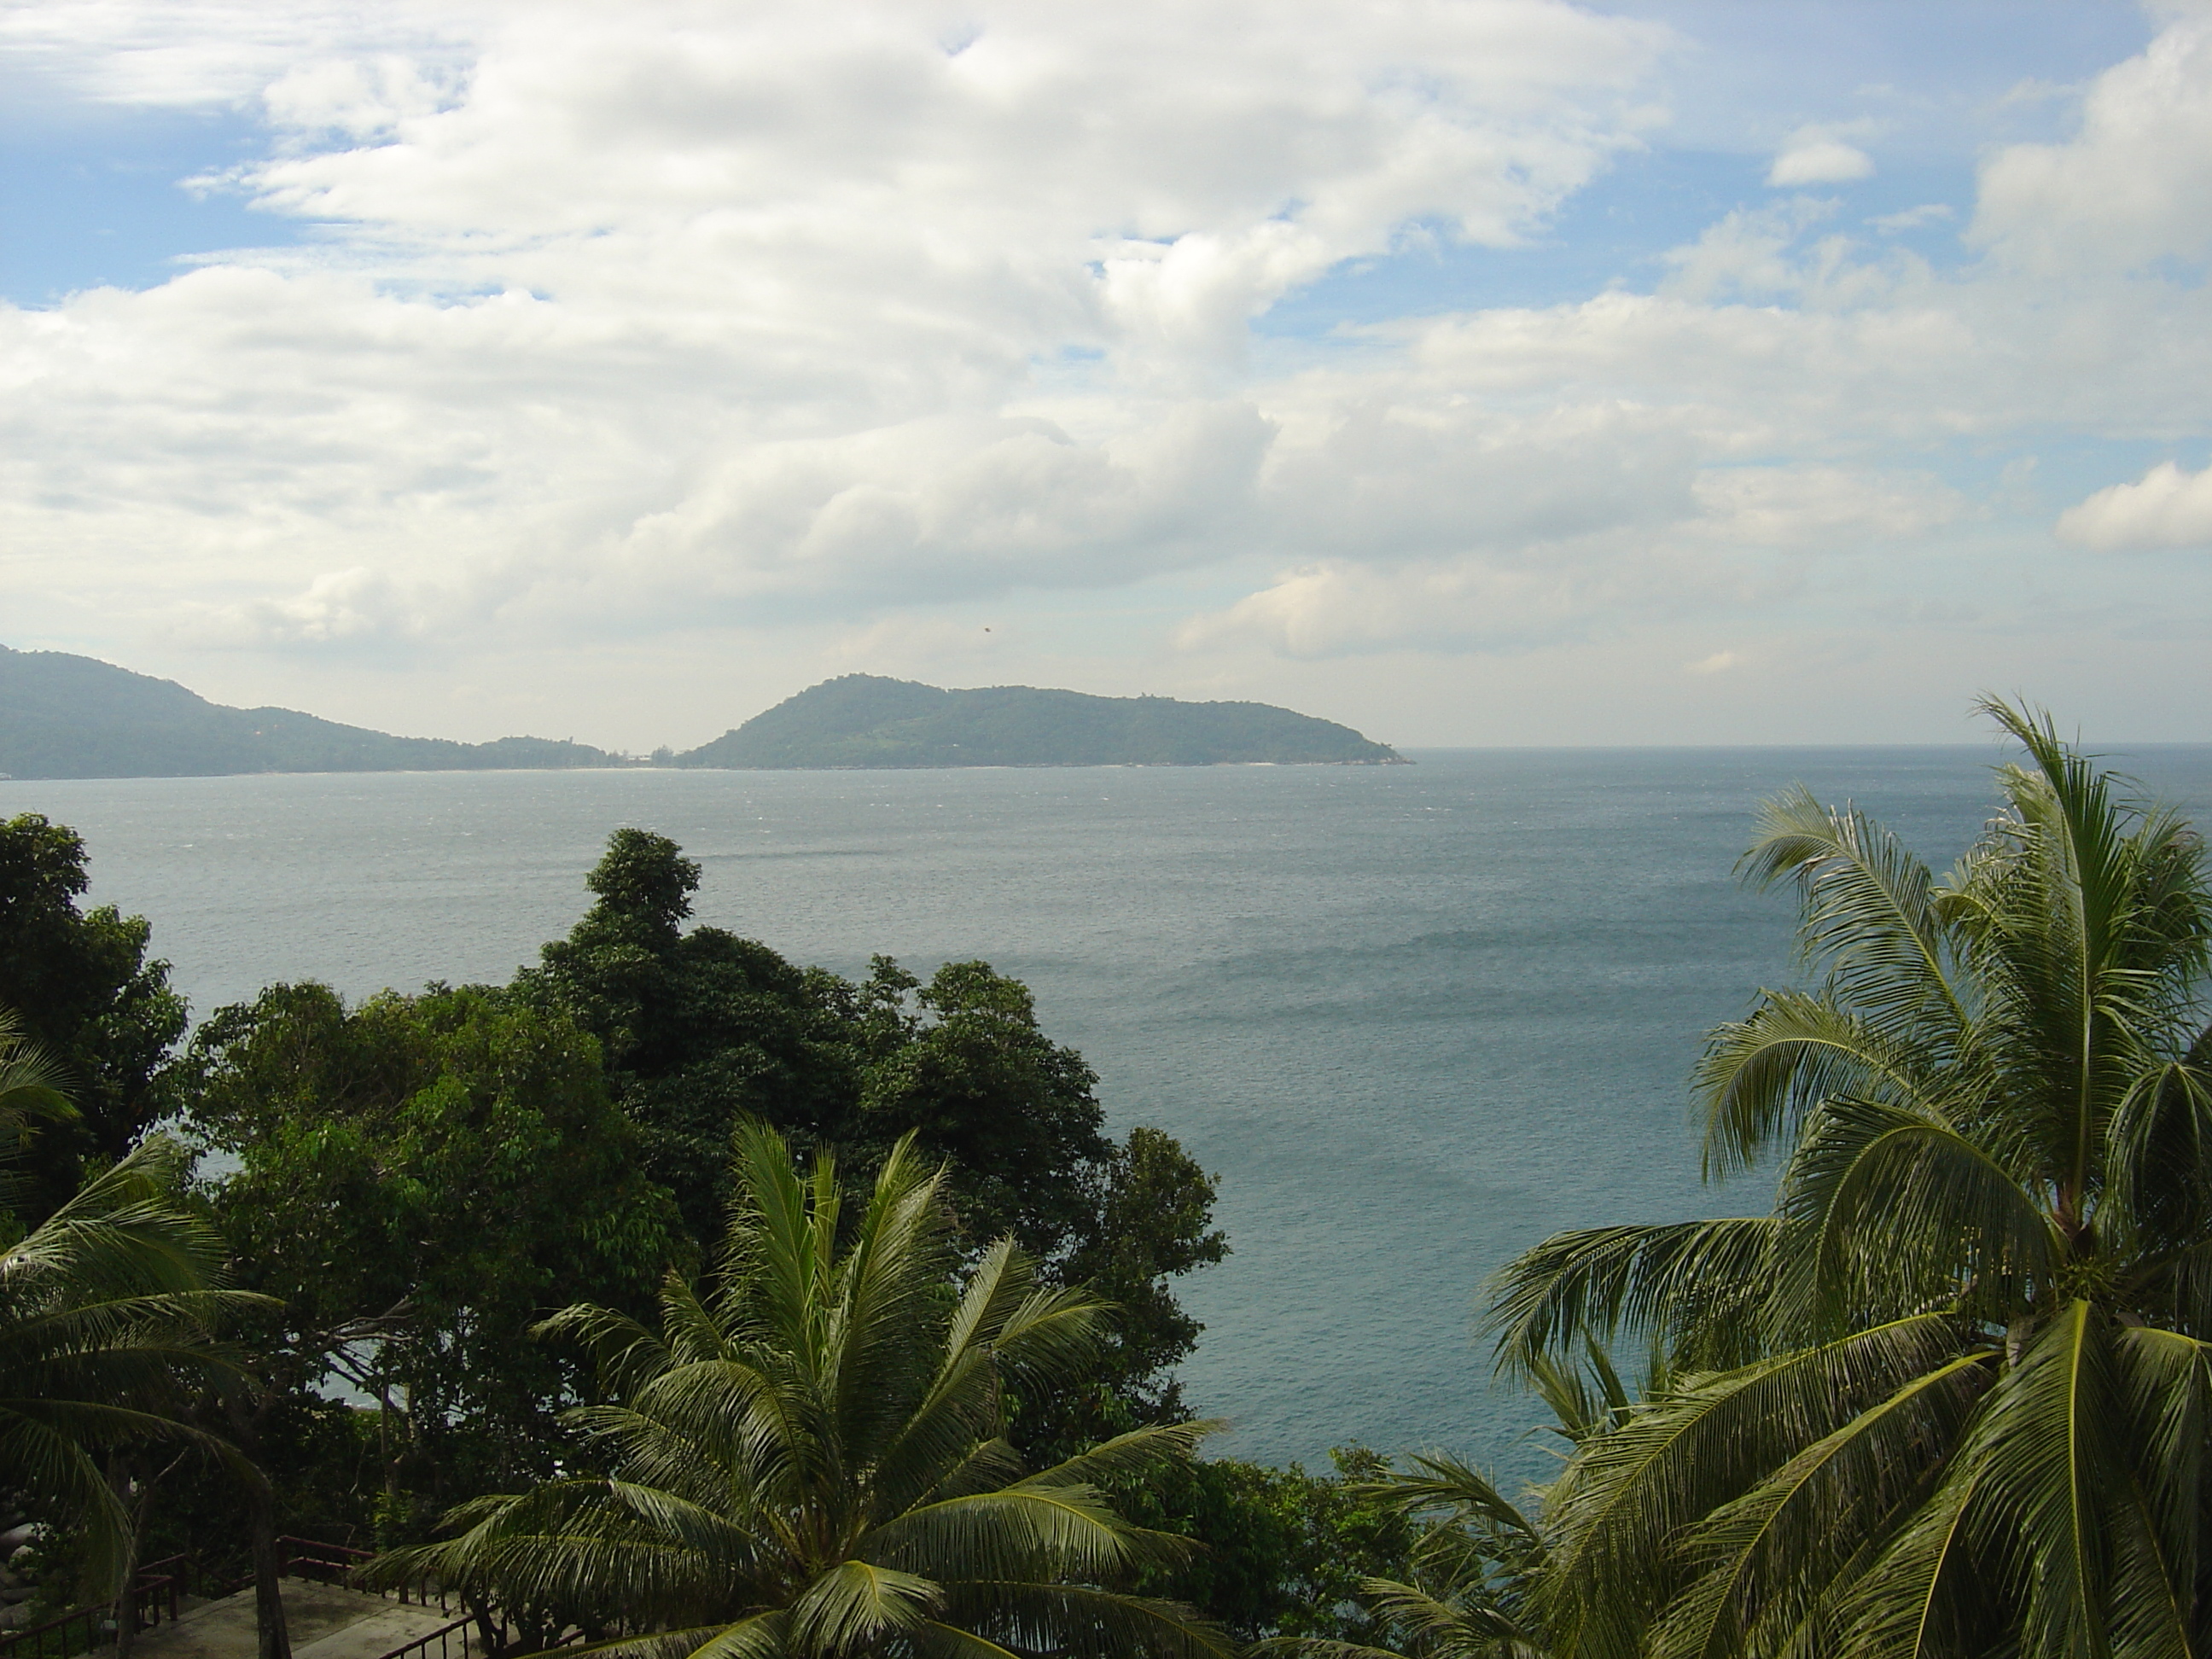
(866, 720)
(63, 716)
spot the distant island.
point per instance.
(866, 720)
(65, 716)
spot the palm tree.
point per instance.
(1472, 1569)
(1478, 1564)
(811, 1460)
(30, 1094)
(106, 1313)
(1952, 1395)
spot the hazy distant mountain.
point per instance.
(865, 721)
(74, 717)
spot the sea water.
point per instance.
(1414, 1018)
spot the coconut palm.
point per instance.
(1478, 1565)
(106, 1313)
(1952, 1395)
(810, 1460)
(1472, 1569)
(30, 1093)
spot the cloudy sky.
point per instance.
(1473, 371)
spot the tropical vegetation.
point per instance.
(683, 1300)
(1950, 1393)
(808, 1455)
(108, 1312)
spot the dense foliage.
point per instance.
(702, 1031)
(1953, 1393)
(418, 1181)
(108, 1310)
(1950, 1396)
(808, 1454)
(80, 987)
(413, 1182)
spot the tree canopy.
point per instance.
(82, 986)
(702, 1031)
(809, 1453)
(1951, 1394)
(418, 1180)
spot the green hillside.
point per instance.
(63, 716)
(866, 720)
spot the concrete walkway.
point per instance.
(326, 1621)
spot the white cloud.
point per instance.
(2166, 508)
(684, 318)
(1342, 609)
(1811, 159)
(2134, 184)
(950, 508)
(677, 312)
(1719, 663)
(1670, 540)
(340, 607)
(1915, 218)
(192, 54)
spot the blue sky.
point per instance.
(1477, 371)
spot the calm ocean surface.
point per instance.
(1415, 1017)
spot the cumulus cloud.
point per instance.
(2165, 507)
(951, 508)
(697, 317)
(1342, 608)
(677, 310)
(2133, 185)
(196, 54)
(1915, 218)
(1813, 158)
(341, 607)
(1700, 539)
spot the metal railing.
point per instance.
(464, 1639)
(458, 1640)
(159, 1588)
(157, 1591)
(336, 1564)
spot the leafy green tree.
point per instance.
(1282, 1551)
(418, 1180)
(108, 1309)
(30, 1096)
(1151, 1221)
(972, 1076)
(809, 1457)
(699, 1029)
(84, 991)
(1951, 1394)
(702, 1029)
(1469, 1569)
(1473, 1567)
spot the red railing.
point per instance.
(159, 1588)
(156, 1591)
(336, 1564)
(443, 1642)
(78, 1630)
(463, 1639)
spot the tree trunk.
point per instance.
(274, 1638)
(126, 1597)
(275, 1641)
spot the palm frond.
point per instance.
(858, 1606)
(1695, 1284)
(809, 1461)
